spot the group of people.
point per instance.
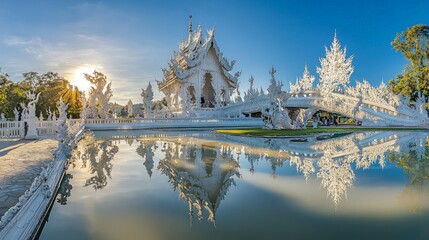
(326, 121)
(330, 121)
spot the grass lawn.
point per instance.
(299, 132)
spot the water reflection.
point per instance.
(201, 172)
(65, 189)
(146, 151)
(415, 162)
(334, 157)
(203, 167)
(95, 156)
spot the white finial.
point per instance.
(190, 23)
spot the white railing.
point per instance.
(46, 127)
(163, 120)
(156, 123)
(11, 129)
(16, 129)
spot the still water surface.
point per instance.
(202, 185)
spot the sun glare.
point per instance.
(79, 80)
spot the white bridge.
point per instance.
(368, 112)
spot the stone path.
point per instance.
(20, 163)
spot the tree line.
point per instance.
(50, 84)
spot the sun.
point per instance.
(79, 80)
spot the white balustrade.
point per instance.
(11, 129)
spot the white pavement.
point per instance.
(20, 162)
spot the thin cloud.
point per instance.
(19, 41)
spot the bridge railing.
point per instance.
(377, 107)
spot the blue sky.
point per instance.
(130, 41)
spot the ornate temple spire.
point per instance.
(190, 23)
(190, 29)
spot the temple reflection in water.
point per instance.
(202, 167)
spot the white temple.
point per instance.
(198, 76)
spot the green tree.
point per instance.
(11, 95)
(50, 84)
(414, 45)
(53, 87)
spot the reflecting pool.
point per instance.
(202, 185)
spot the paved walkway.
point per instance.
(20, 163)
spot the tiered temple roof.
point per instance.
(184, 63)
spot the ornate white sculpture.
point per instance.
(275, 88)
(98, 103)
(302, 118)
(31, 106)
(252, 93)
(130, 109)
(16, 113)
(49, 112)
(147, 96)
(2, 118)
(277, 117)
(335, 70)
(238, 98)
(24, 113)
(420, 106)
(303, 84)
(30, 116)
(62, 109)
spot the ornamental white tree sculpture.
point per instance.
(147, 96)
(251, 93)
(335, 69)
(275, 88)
(98, 104)
(130, 108)
(305, 83)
